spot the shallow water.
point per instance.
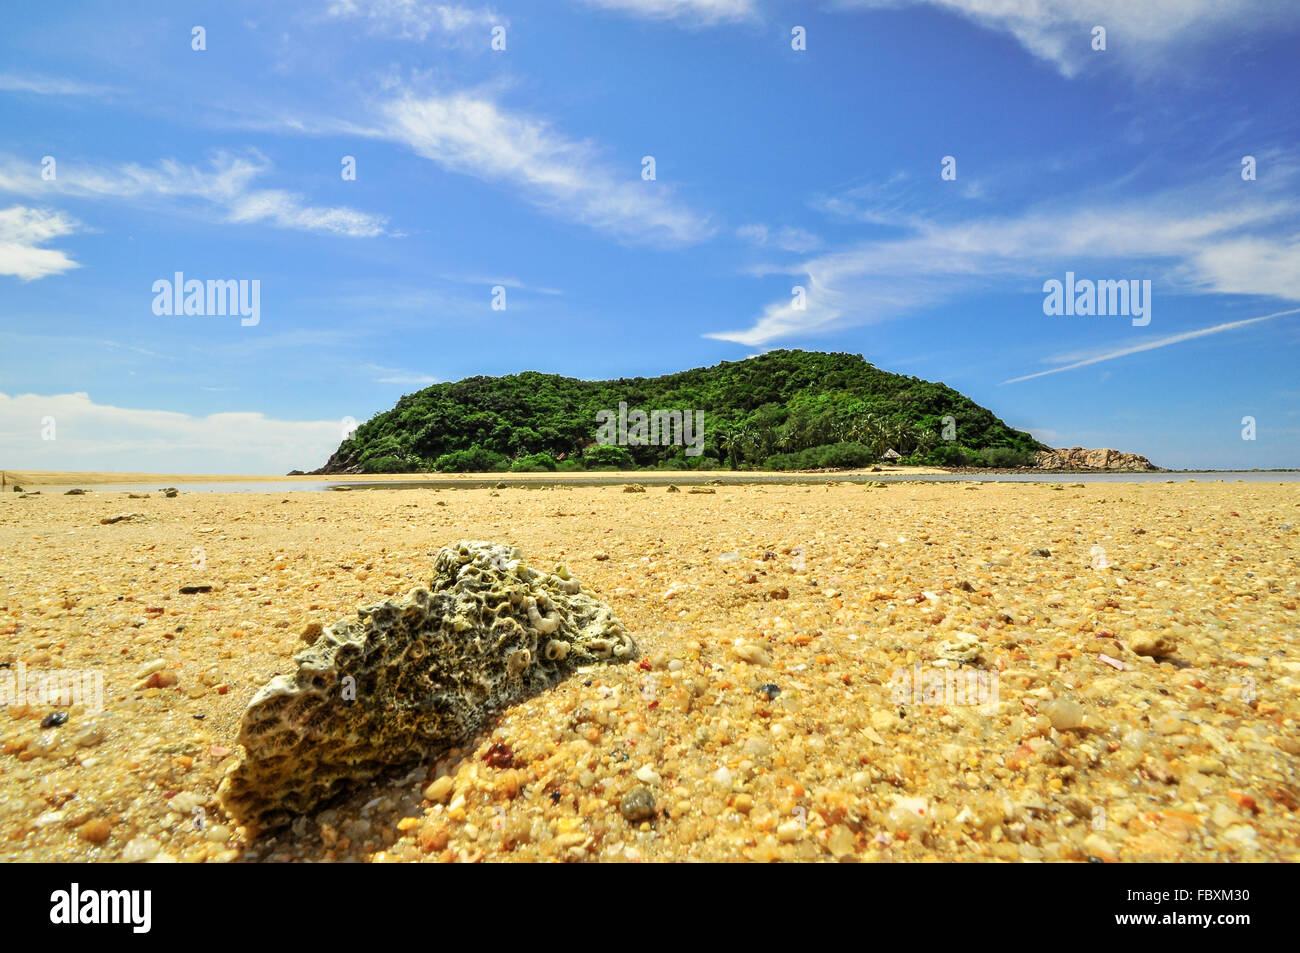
(234, 487)
(663, 478)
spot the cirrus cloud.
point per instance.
(470, 134)
(698, 12)
(227, 183)
(1142, 34)
(1197, 241)
(415, 19)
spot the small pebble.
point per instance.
(96, 830)
(637, 804)
(910, 815)
(1155, 646)
(1064, 714)
(751, 653)
(140, 849)
(439, 791)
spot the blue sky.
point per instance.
(523, 168)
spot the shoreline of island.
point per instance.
(90, 478)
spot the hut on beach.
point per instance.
(891, 456)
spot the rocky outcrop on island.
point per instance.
(409, 678)
(339, 462)
(1077, 458)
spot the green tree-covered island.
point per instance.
(783, 410)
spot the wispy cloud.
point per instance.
(94, 436)
(1141, 34)
(1223, 245)
(701, 12)
(49, 86)
(416, 19)
(22, 231)
(395, 375)
(786, 238)
(1111, 355)
(117, 346)
(470, 134)
(486, 281)
(227, 183)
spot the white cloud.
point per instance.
(395, 375)
(469, 134)
(704, 12)
(415, 19)
(49, 86)
(22, 230)
(486, 281)
(92, 436)
(227, 183)
(786, 238)
(1187, 242)
(1243, 265)
(1140, 32)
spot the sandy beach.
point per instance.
(39, 479)
(913, 672)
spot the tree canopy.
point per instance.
(781, 410)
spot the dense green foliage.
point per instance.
(780, 410)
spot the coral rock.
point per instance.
(412, 677)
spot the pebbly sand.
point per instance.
(792, 701)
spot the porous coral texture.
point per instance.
(410, 677)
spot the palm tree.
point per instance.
(895, 435)
(760, 441)
(729, 442)
(748, 442)
(869, 432)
